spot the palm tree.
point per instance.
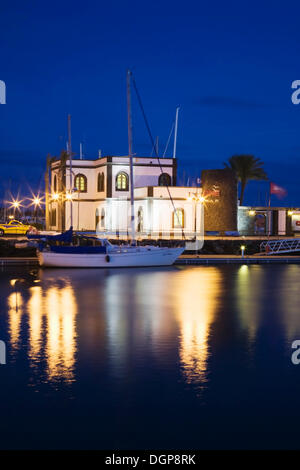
(246, 167)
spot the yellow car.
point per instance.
(15, 227)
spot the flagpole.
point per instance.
(269, 212)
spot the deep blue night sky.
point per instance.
(229, 65)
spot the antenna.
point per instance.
(175, 133)
(168, 141)
(70, 163)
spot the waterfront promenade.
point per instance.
(235, 259)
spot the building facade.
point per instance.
(260, 221)
(95, 195)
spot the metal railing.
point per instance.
(272, 247)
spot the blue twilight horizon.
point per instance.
(229, 66)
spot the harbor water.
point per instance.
(189, 357)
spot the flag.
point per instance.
(277, 190)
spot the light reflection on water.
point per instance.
(198, 295)
(51, 334)
(15, 310)
(140, 310)
(149, 309)
(145, 308)
(250, 298)
(172, 347)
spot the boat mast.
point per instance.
(175, 133)
(71, 168)
(129, 119)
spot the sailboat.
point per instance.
(104, 254)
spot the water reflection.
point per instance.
(289, 302)
(15, 310)
(61, 310)
(35, 322)
(51, 330)
(250, 292)
(130, 317)
(138, 315)
(162, 347)
(198, 294)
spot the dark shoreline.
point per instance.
(184, 260)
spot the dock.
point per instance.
(235, 259)
(182, 260)
(19, 261)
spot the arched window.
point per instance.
(53, 217)
(55, 184)
(122, 182)
(100, 182)
(140, 221)
(164, 180)
(178, 218)
(81, 183)
(97, 218)
(100, 219)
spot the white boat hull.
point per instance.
(132, 257)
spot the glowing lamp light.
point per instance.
(195, 197)
(252, 212)
(55, 196)
(15, 203)
(243, 250)
(290, 212)
(10, 216)
(69, 196)
(36, 201)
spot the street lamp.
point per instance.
(15, 205)
(194, 196)
(36, 202)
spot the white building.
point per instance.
(95, 195)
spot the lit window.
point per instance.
(81, 183)
(122, 182)
(178, 218)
